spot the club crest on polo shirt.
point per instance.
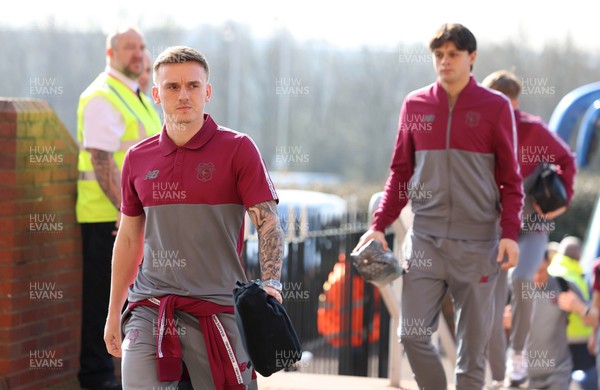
(205, 171)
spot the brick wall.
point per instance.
(40, 253)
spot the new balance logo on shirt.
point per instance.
(152, 174)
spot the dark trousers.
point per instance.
(582, 360)
(95, 363)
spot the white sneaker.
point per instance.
(516, 368)
(495, 385)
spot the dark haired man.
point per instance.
(456, 145)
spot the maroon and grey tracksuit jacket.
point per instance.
(457, 165)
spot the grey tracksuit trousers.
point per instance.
(138, 364)
(468, 269)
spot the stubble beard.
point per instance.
(130, 73)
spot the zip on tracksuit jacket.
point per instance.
(457, 165)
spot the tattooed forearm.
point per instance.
(107, 174)
(270, 239)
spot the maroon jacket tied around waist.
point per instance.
(223, 364)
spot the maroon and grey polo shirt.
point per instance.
(194, 197)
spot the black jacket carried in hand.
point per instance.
(267, 332)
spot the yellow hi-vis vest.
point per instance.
(140, 122)
(571, 270)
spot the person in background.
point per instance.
(535, 145)
(455, 160)
(593, 345)
(112, 116)
(566, 264)
(547, 348)
(552, 249)
(145, 79)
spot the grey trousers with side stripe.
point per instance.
(468, 269)
(138, 364)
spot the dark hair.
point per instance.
(178, 55)
(462, 38)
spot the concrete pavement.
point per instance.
(303, 381)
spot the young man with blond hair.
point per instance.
(177, 253)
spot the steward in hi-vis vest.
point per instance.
(112, 116)
(141, 121)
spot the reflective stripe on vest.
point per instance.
(571, 270)
(140, 121)
(123, 145)
(141, 130)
